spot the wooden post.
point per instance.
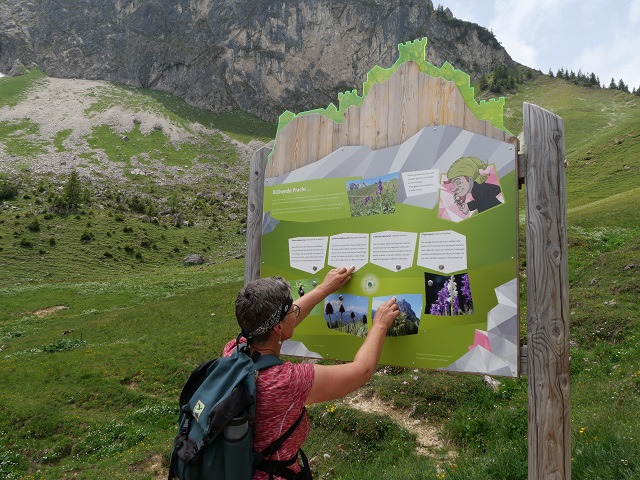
(254, 214)
(547, 296)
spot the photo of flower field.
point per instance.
(373, 196)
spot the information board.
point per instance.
(432, 220)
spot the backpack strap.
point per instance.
(266, 361)
(260, 462)
(278, 442)
(261, 361)
(280, 467)
(282, 470)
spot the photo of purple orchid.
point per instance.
(448, 295)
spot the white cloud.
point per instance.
(523, 27)
(614, 59)
(612, 55)
(590, 35)
(634, 12)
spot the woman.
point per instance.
(267, 316)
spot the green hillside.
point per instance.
(101, 321)
(602, 140)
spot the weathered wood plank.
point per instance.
(547, 296)
(254, 214)
(396, 108)
(523, 360)
(432, 93)
(521, 165)
(369, 117)
(411, 103)
(309, 139)
(352, 126)
(340, 134)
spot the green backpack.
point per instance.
(215, 434)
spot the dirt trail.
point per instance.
(44, 312)
(428, 438)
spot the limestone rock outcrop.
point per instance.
(262, 56)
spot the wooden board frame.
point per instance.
(421, 100)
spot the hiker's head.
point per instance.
(261, 305)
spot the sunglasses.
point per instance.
(295, 309)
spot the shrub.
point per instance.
(87, 236)
(8, 189)
(63, 345)
(26, 243)
(137, 204)
(34, 226)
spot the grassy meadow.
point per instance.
(89, 389)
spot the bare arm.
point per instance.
(336, 381)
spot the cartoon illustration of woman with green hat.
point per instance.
(465, 178)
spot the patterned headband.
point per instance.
(273, 320)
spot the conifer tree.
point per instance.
(623, 86)
(483, 83)
(72, 192)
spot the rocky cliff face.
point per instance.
(263, 56)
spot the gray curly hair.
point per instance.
(259, 306)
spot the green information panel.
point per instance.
(432, 221)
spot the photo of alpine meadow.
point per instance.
(448, 295)
(347, 313)
(373, 196)
(408, 322)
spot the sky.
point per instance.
(595, 36)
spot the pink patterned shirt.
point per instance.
(281, 391)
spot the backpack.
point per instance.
(215, 433)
